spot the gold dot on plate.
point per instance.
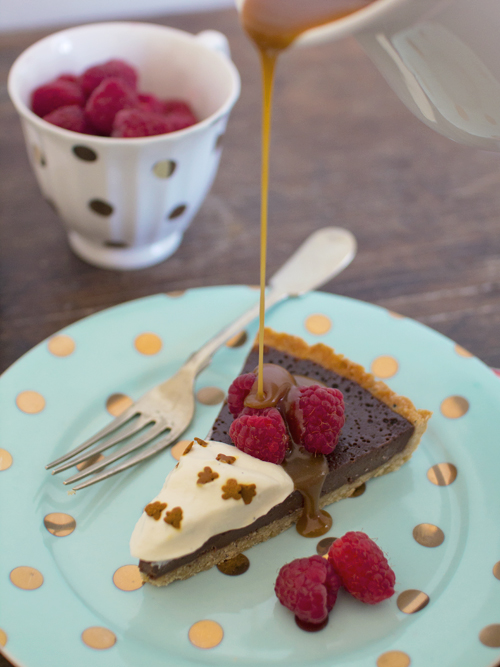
(454, 407)
(393, 659)
(164, 168)
(233, 567)
(175, 294)
(3, 637)
(59, 524)
(148, 343)
(5, 459)
(396, 316)
(178, 449)
(442, 474)
(462, 352)
(30, 402)
(238, 340)
(98, 637)
(61, 346)
(490, 635)
(428, 535)
(318, 324)
(384, 367)
(210, 395)
(358, 491)
(118, 403)
(205, 634)
(496, 570)
(323, 546)
(128, 578)
(411, 601)
(26, 578)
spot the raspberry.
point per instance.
(70, 118)
(118, 69)
(138, 123)
(316, 417)
(55, 94)
(176, 106)
(362, 567)
(238, 391)
(150, 102)
(179, 121)
(69, 77)
(110, 96)
(308, 587)
(260, 433)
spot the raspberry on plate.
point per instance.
(308, 587)
(316, 417)
(71, 117)
(362, 567)
(260, 433)
(55, 94)
(238, 391)
(110, 97)
(138, 123)
(115, 68)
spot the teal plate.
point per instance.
(43, 627)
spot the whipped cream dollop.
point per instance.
(214, 488)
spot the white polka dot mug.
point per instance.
(126, 202)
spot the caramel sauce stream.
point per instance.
(273, 25)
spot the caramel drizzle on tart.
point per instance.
(174, 517)
(244, 492)
(307, 470)
(207, 475)
(155, 509)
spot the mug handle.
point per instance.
(215, 40)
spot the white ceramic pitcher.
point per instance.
(441, 57)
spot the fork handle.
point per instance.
(323, 255)
(202, 357)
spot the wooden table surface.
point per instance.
(345, 152)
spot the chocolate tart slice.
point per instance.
(381, 432)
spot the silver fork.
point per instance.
(168, 408)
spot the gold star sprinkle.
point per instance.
(174, 517)
(226, 459)
(239, 491)
(201, 442)
(207, 475)
(155, 509)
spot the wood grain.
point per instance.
(345, 151)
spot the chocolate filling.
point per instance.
(372, 434)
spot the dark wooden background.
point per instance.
(345, 151)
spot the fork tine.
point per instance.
(132, 429)
(106, 430)
(123, 451)
(134, 460)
